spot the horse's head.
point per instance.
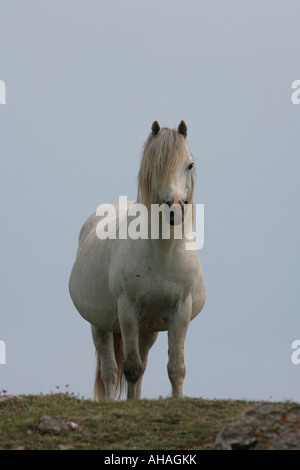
(166, 174)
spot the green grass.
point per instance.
(165, 424)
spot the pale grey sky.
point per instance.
(84, 82)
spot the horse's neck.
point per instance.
(167, 248)
(165, 242)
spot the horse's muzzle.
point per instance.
(176, 214)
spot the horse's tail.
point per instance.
(99, 389)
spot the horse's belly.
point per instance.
(153, 323)
(89, 287)
(96, 310)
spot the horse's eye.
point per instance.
(190, 166)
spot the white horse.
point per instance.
(130, 289)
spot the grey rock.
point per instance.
(55, 424)
(266, 426)
(10, 398)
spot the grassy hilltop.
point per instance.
(163, 424)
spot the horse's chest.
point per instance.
(155, 291)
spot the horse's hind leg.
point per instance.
(146, 341)
(104, 344)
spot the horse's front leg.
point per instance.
(177, 329)
(129, 326)
(146, 341)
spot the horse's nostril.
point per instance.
(169, 203)
(186, 202)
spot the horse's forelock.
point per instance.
(163, 152)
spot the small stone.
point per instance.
(64, 447)
(72, 425)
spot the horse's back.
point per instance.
(86, 229)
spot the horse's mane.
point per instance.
(163, 151)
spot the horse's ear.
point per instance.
(182, 129)
(155, 128)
